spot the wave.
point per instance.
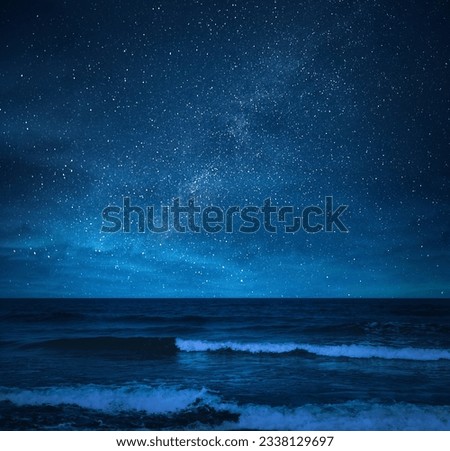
(151, 319)
(108, 399)
(181, 408)
(351, 415)
(152, 347)
(349, 351)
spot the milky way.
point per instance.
(227, 102)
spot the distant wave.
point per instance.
(165, 346)
(151, 319)
(350, 351)
(184, 404)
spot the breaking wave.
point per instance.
(178, 408)
(350, 351)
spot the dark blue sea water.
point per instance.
(132, 364)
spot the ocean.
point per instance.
(224, 364)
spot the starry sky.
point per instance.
(227, 102)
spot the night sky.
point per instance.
(227, 102)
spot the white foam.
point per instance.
(352, 415)
(108, 399)
(201, 345)
(351, 351)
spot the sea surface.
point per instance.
(224, 364)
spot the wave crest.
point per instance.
(152, 400)
(349, 351)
